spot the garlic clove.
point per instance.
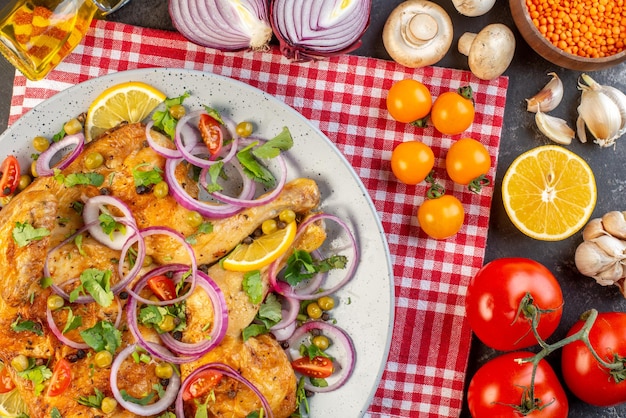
(613, 247)
(581, 130)
(619, 98)
(590, 259)
(554, 128)
(593, 229)
(548, 98)
(614, 223)
(610, 275)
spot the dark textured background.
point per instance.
(528, 74)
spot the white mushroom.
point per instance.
(490, 51)
(417, 33)
(473, 8)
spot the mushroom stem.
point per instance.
(421, 28)
(465, 43)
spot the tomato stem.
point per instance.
(477, 184)
(435, 190)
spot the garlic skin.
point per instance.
(554, 128)
(548, 98)
(602, 254)
(602, 111)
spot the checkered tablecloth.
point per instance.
(345, 97)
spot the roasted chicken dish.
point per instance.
(57, 336)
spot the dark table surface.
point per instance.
(527, 75)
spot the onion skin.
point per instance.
(304, 30)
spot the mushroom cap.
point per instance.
(491, 50)
(473, 8)
(417, 33)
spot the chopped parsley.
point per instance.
(102, 336)
(79, 179)
(301, 266)
(269, 315)
(25, 233)
(204, 228)
(248, 157)
(97, 283)
(36, 374)
(163, 120)
(253, 286)
(26, 326)
(146, 178)
(93, 401)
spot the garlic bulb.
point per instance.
(602, 111)
(602, 254)
(548, 97)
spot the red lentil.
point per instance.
(587, 28)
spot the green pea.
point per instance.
(72, 126)
(321, 341)
(25, 181)
(269, 226)
(194, 219)
(287, 216)
(94, 160)
(244, 129)
(314, 311)
(167, 324)
(177, 111)
(103, 359)
(108, 405)
(55, 302)
(41, 143)
(160, 190)
(164, 370)
(20, 363)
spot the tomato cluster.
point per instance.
(516, 303)
(467, 161)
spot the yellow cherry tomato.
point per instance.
(468, 162)
(412, 161)
(441, 217)
(453, 112)
(408, 101)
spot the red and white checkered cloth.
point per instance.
(345, 97)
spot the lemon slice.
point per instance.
(12, 404)
(126, 102)
(549, 193)
(262, 251)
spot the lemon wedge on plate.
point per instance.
(126, 102)
(262, 251)
(549, 193)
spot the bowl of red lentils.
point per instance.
(583, 35)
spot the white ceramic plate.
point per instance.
(366, 305)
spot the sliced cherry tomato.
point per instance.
(202, 384)
(453, 113)
(494, 295)
(319, 366)
(163, 287)
(585, 377)
(211, 133)
(409, 101)
(501, 388)
(441, 217)
(411, 161)
(61, 378)
(468, 162)
(9, 176)
(6, 383)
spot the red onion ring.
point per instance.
(339, 338)
(248, 188)
(43, 165)
(228, 371)
(286, 290)
(313, 29)
(159, 149)
(183, 352)
(91, 214)
(156, 408)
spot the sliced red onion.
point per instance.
(289, 315)
(159, 149)
(223, 24)
(91, 213)
(178, 192)
(248, 188)
(156, 408)
(341, 341)
(44, 160)
(227, 371)
(59, 334)
(308, 292)
(313, 29)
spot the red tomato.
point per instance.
(585, 377)
(452, 113)
(9, 176)
(319, 366)
(408, 101)
(500, 389)
(61, 378)
(493, 300)
(468, 161)
(441, 217)
(202, 383)
(6, 384)
(163, 287)
(211, 133)
(412, 161)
